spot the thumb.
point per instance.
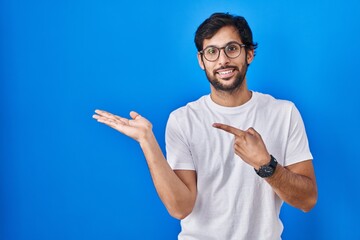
(252, 131)
(134, 115)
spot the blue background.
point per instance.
(65, 176)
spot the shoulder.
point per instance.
(190, 108)
(185, 118)
(273, 104)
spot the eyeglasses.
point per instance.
(231, 50)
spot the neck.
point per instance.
(231, 99)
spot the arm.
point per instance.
(176, 189)
(295, 184)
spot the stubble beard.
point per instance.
(239, 79)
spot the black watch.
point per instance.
(268, 169)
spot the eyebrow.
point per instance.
(224, 45)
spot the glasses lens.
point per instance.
(211, 53)
(233, 50)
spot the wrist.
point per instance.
(267, 170)
(264, 161)
(147, 139)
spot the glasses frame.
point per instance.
(222, 48)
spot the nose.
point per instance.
(223, 58)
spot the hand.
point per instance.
(248, 145)
(138, 128)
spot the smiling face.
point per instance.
(226, 74)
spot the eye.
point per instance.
(232, 48)
(211, 51)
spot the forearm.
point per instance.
(178, 193)
(297, 190)
(176, 196)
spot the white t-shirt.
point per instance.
(233, 202)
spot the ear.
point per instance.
(201, 62)
(250, 56)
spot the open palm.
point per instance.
(137, 127)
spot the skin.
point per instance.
(176, 189)
(295, 184)
(239, 95)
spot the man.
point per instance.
(234, 155)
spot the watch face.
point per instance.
(265, 171)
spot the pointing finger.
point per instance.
(228, 129)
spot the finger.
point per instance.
(96, 116)
(104, 113)
(100, 112)
(120, 126)
(252, 131)
(240, 139)
(238, 152)
(121, 119)
(108, 115)
(134, 115)
(228, 128)
(107, 121)
(99, 117)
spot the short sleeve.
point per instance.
(178, 152)
(297, 149)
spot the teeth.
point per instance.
(225, 72)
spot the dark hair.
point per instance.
(218, 20)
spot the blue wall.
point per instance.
(64, 176)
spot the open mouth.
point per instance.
(226, 73)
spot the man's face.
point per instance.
(225, 74)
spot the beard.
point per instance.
(218, 85)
